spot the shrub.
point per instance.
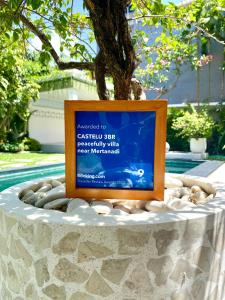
(176, 143)
(217, 140)
(194, 124)
(10, 147)
(29, 144)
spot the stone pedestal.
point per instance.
(51, 255)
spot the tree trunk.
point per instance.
(100, 73)
(112, 34)
(122, 88)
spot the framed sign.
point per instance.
(115, 149)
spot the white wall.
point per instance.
(47, 125)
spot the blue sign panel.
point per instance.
(115, 149)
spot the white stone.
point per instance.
(40, 203)
(60, 188)
(77, 203)
(34, 187)
(57, 203)
(195, 189)
(178, 204)
(170, 193)
(53, 194)
(129, 203)
(41, 195)
(138, 203)
(32, 199)
(123, 208)
(186, 198)
(62, 179)
(55, 183)
(203, 183)
(45, 188)
(27, 194)
(184, 191)
(102, 207)
(156, 206)
(171, 182)
(199, 196)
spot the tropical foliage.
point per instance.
(119, 53)
(194, 124)
(17, 89)
(184, 35)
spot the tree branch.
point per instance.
(61, 65)
(180, 19)
(71, 24)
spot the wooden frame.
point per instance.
(160, 108)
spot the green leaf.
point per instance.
(35, 4)
(45, 57)
(15, 36)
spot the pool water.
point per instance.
(180, 166)
(9, 178)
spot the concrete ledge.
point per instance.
(49, 254)
(205, 169)
(53, 148)
(186, 155)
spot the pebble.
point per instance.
(129, 203)
(184, 191)
(61, 179)
(57, 203)
(41, 195)
(102, 207)
(41, 202)
(156, 206)
(180, 194)
(203, 184)
(170, 193)
(45, 188)
(60, 188)
(34, 187)
(76, 203)
(177, 204)
(140, 203)
(186, 198)
(195, 189)
(123, 208)
(27, 194)
(55, 183)
(32, 199)
(198, 196)
(171, 182)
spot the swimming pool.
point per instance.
(12, 177)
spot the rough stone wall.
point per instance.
(182, 260)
